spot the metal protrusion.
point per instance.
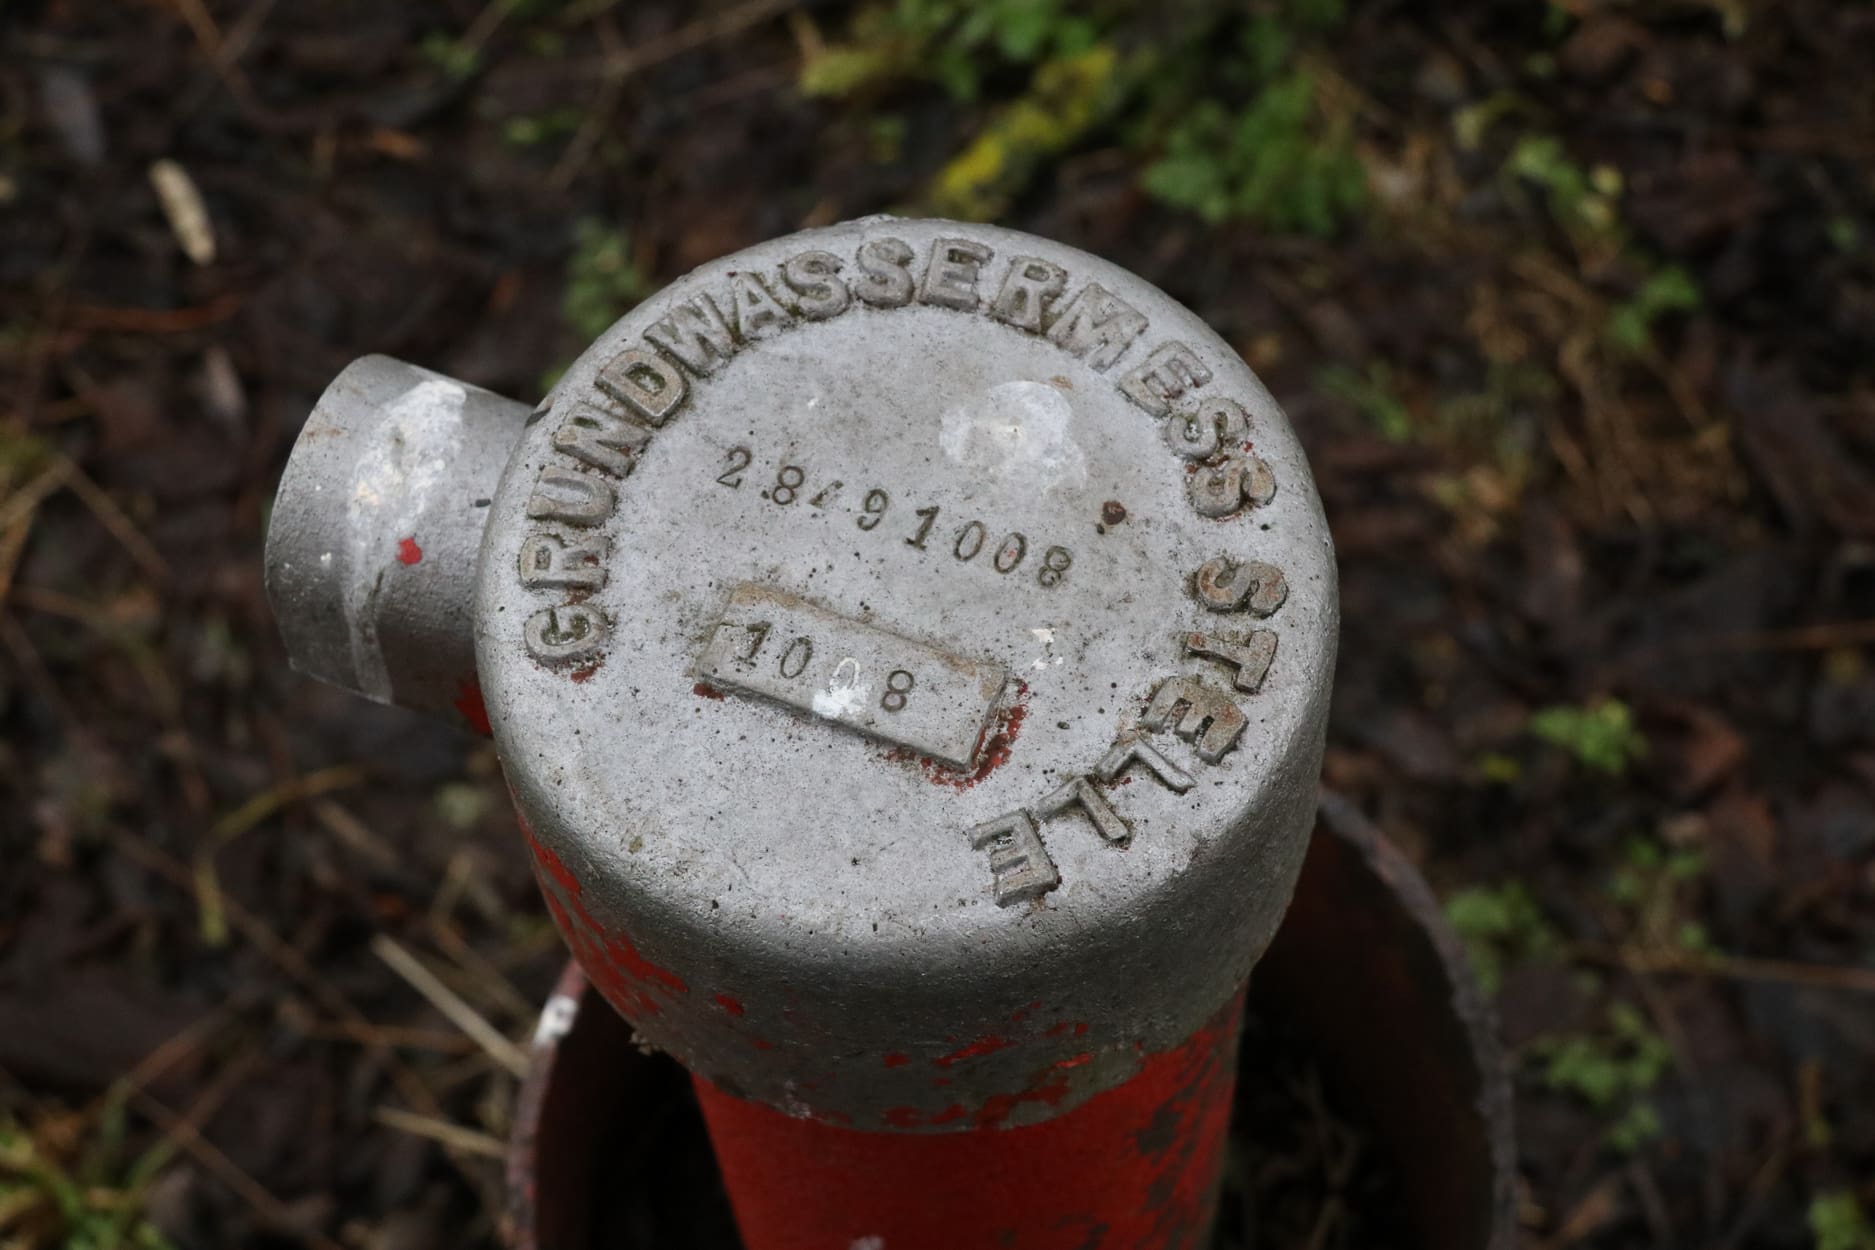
(373, 543)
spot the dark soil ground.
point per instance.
(1589, 385)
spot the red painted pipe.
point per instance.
(1134, 1168)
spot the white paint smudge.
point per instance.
(845, 693)
(1047, 658)
(556, 1020)
(415, 440)
(868, 1243)
(792, 1104)
(1016, 430)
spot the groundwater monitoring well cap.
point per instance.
(908, 644)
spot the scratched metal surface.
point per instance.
(815, 917)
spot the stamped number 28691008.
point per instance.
(788, 485)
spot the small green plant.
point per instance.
(1283, 161)
(451, 55)
(1500, 925)
(91, 1204)
(1651, 887)
(1499, 769)
(1837, 1223)
(1601, 736)
(532, 130)
(1583, 202)
(1372, 393)
(1614, 1070)
(1669, 290)
(460, 804)
(603, 280)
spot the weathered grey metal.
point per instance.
(940, 453)
(373, 543)
(951, 434)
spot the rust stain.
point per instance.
(994, 747)
(1112, 512)
(707, 691)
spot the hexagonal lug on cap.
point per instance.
(375, 535)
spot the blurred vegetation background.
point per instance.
(1573, 302)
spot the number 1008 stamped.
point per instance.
(778, 646)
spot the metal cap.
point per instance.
(373, 542)
(908, 644)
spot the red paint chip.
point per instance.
(469, 704)
(408, 552)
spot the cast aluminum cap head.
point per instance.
(908, 644)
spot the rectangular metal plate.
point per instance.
(781, 647)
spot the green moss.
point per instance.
(1068, 97)
(951, 42)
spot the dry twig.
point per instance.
(493, 1043)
